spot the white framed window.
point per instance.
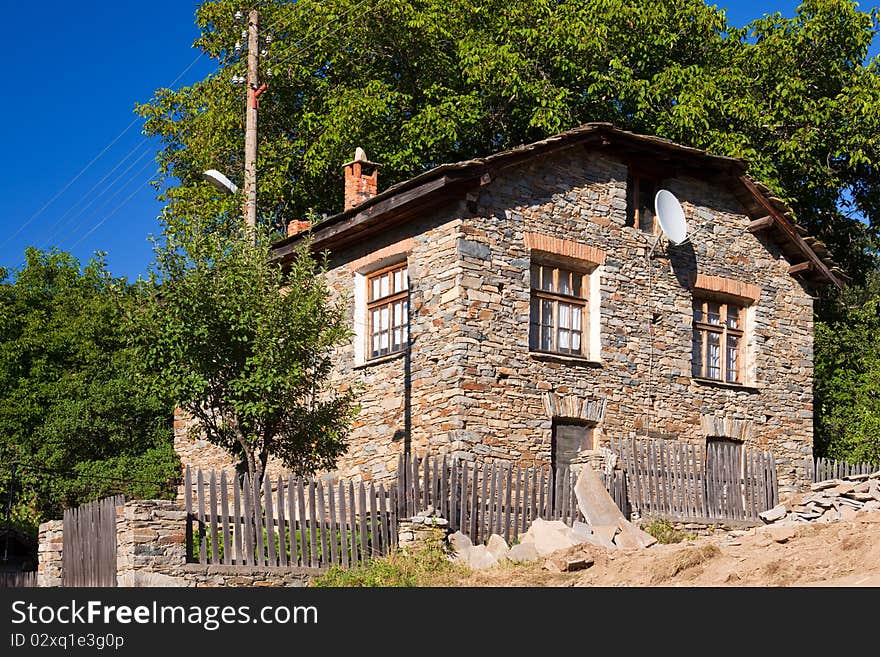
(717, 350)
(387, 311)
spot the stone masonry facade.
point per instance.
(469, 384)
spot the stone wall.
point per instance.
(470, 385)
(582, 199)
(49, 553)
(151, 551)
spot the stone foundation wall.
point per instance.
(49, 553)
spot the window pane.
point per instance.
(384, 280)
(732, 355)
(576, 285)
(564, 313)
(385, 318)
(697, 353)
(384, 341)
(564, 340)
(375, 351)
(564, 282)
(732, 317)
(534, 323)
(547, 278)
(713, 353)
(576, 341)
(398, 338)
(398, 280)
(714, 314)
(535, 277)
(698, 311)
(374, 291)
(398, 314)
(576, 321)
(405, 279)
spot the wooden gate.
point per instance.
(89, 548)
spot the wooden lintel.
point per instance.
(800, 267)
(761, 224)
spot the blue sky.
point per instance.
(76, 165)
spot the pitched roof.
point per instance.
(439, 185)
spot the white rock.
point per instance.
(498, 547)
(460, 544)
(550, 536)
(774, 514)
(479, 558)
(523, 553)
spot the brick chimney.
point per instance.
(297, 226)
(360, 179)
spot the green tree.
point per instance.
(74, 413)
(244, 347)
(421, 83)
(847, 378)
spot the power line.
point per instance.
(323, 36)
(115, 210)
(82, 475)
(88, 166)
(79, 226)
(89, 193)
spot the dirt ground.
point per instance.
(843, 553)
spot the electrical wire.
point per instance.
(323, 36)
(94, 213)
(88, 166)
(114, 211)
(95, 197)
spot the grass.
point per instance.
(428, 567)
(665, 532)
(299, 545)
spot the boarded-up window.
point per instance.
(387, 311)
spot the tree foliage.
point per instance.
(74, 411)
(847, 378)
(245, 347)
(421, 83)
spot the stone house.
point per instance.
(525, 306)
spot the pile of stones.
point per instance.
(827, 501)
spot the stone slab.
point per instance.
(594, 501)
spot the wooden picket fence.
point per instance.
(88, 555)
(18, 579)
(498, 497)
(288, 522)
(687, 482)
(821, 469)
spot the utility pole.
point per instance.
(254, 90)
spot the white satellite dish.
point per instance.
(670, 215)
(220, 181)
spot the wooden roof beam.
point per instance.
(761, 224)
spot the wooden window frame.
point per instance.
(387, 301)
(556, 298)
(724, 333)
(634, 181)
